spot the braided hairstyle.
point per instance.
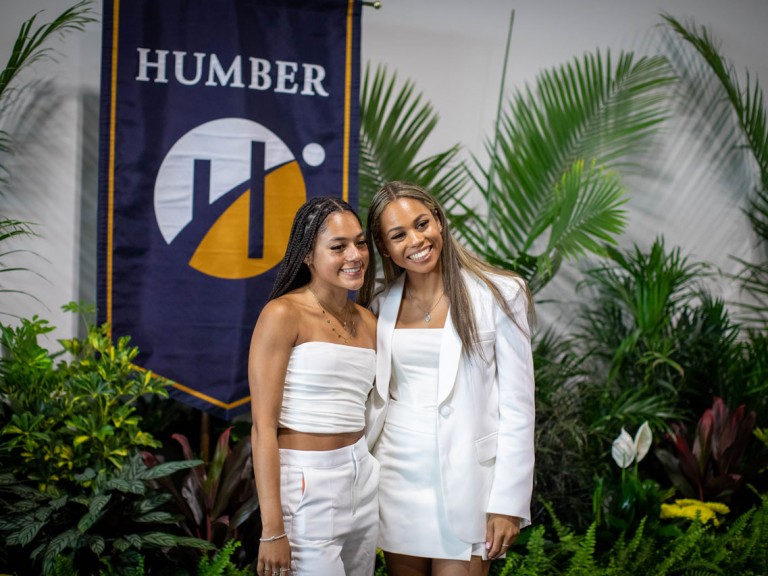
(307, 224)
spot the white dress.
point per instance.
(412, 517)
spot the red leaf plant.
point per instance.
(217, 501)
(712, 469)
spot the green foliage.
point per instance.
(552, 187)
(395, 121)
(221, 563)
(60, 419)
(101, 519)
(560, 428)
(710, 468)
(656, 341)
(72, 483)
(747, 102)
(29, 47)
(218, 501)
(651, 346)
(740, 548)
(11, 229)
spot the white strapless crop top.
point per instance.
(326, 386)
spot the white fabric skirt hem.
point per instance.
(412, 513)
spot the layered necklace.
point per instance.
(347, 325)
(427, 311)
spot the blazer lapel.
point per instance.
(385, 330)
(450, 356)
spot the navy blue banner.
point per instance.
(219, 118)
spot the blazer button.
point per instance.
(445, 411)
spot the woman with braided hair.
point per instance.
(311, 365)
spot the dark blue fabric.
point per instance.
(192, 326)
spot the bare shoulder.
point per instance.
(365, 314)
(367, 317)
(281, 309)
(279, 320)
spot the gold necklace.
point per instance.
(349, 330)
(427, 313)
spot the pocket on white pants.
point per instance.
(313, 516)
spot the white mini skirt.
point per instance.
(412, 517)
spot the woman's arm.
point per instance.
(513, 484)
(273, 339)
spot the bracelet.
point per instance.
(274, 538)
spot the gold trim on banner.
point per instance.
(195, 393)
(347, 101)
(111, 176)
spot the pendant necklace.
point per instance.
(343, 323)
(427, 313)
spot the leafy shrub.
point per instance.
(217, 502)
(72, 482)
(709, 468)
(59, 420)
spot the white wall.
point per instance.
(452, 49)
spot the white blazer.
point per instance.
(486, 407)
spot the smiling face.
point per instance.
(340, 253)
(411, 235)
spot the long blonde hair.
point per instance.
(454, 258)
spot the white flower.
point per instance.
(643, 440)
(625, 450)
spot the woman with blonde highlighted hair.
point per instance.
(451, 416)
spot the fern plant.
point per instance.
(221, 563)
(740, 547)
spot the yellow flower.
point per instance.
(694, 510)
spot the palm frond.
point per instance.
(395, 122)
(586, 211)
(753, 280)
(590, 112)
(748, 103)
(28, 47)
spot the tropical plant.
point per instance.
(101, 518)
(710, 468)
(218, 501)
(560, 429)
(621, 506)
(738, 547)
(395, 122)
(29, 47)
(746, 103)
(221, 563)
(553, 186)
(749, 105)
(691, 509)
(73, 482)
(59, 420)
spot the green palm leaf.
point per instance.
(395, 122)
(29, 45)
(747, 102)
(588, 113)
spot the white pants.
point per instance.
(331, 510)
